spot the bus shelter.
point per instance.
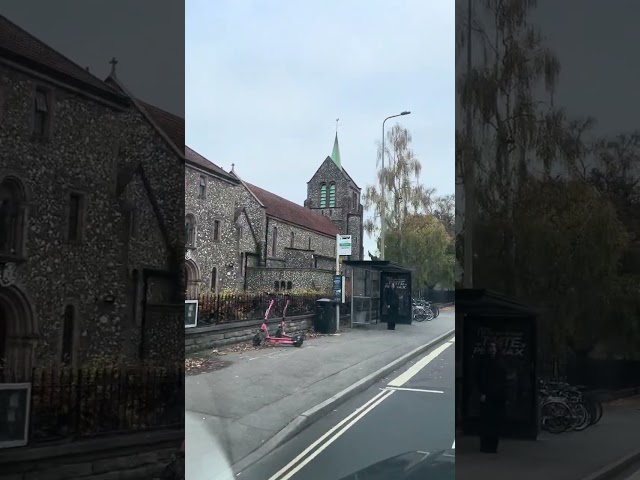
(483, 316)
(369, 281)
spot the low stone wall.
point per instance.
(201, 338)
(117, 457)
(213, 336)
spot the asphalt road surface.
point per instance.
(411, 410)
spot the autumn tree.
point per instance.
(404, 194)
(513, 128)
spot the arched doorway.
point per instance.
(192, 277)
(18, 335)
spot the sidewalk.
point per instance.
(259, 392)
(568, 456)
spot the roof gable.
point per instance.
(329, 162)
(20, 46)
(125, 177)
(169, 126)
(288, 211)
(195, 158)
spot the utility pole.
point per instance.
(469, 174)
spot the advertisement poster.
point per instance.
(337, 288)
(513, 338)
(403, 288)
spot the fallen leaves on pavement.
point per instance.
(197, 365)
(209, 361)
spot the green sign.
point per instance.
(344, 245)
(190, 313)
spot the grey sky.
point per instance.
(265, 81)
(596, 44)
(146, 37)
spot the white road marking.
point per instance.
(413, 390)
(360, 414)
(295, 465)
(419, 365)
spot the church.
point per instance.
(91, 211)
(241, 237)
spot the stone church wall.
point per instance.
(83, 156)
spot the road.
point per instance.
(412, 409)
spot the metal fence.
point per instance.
(227, 308)
(436, 296)
(81, 403)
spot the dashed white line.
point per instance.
(412, 390)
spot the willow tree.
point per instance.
(404, 194)
(515, 130)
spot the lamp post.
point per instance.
(384, 202)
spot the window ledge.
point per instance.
(8, 258)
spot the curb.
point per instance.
(615, 468)
(313, 414)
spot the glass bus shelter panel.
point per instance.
(359, 282)
(361, 310)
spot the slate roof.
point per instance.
(23, 48)
(170, 124)
(197, 159)
(288, 211)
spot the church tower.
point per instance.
(332, 192)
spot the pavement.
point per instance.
(589, 455)
(262, 393)
(409, 410)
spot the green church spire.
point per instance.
(335, 155)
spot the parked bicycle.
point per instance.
(424, 310)
(565, 407)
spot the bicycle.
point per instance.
(584, 411)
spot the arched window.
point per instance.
(355, 200)
(190, 230)
(276, 285)
(274, 241)
(289, 285)
(283, 285)
(68, 329)
(332, 195)
(293, 239)
(323, 196)
(214, 279)
(12, 217)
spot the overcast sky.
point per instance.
(596, 44)
(145, 36)
(266, 80)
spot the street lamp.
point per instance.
(384, 203)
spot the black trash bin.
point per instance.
(325, 320)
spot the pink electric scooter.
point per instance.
(281, 336)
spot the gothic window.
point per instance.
(74, 221)
(323, 196)
(190, 231)
(203, 186)
(12, 217)
(332, 195)
(214, 279)
(289, 285)
(283, 285)
(216, 230)
(68, 329)
(293, 239)
(274, 241)
(276, 285)
(41, 113)
(355, 200)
